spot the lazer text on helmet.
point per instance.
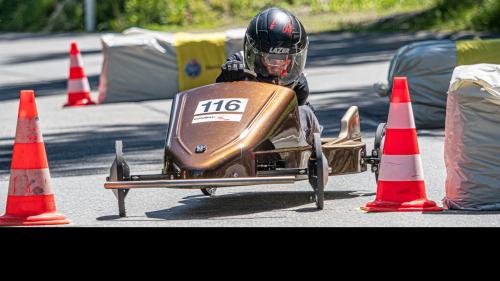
(278, 50)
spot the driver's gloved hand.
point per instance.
(233, 71)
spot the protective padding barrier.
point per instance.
(472, 133)
(199, 57)
(141, 65)
(429, 67)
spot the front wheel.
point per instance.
(316, 172)
(209, 191)
(377, 150)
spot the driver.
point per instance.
(275, 48)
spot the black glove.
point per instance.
(233, 71)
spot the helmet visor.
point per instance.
(282, 69)
(276, 65)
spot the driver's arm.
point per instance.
(302, 90)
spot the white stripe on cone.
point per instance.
(78, 85)
(400, 116)
(401, 168)
(75, 60)
(27, 131)
(29, 182)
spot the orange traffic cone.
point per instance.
(30, 199)
(401, 185)
(78, 83)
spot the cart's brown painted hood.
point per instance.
(216, 118)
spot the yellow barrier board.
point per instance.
(478, 51)
(199, 58)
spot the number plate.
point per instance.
(221, 105)
(217, 110)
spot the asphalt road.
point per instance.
(341, 69)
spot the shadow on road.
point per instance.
(43, 88)
(47, 57)
(239, 204)
(73, 153)
(89, 150)
(347, 48)
(326, 49)
(330, 110)
(82, 152)
(15, 36)
(462, 212)
(431, 133)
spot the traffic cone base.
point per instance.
(400, 196)
(414, 206)
(82, 102)
(44, 219)
(32, 210)
(79, 99)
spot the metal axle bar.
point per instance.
(198, 183)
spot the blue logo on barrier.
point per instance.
(192, 68)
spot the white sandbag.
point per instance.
(137, 66)
(472, 139)
(428, 66)
(141, 64)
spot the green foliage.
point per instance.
(477, 15)
(40, 15)
(187, 12)
(488, 15)
(116, 15)
(363, 5)
(108, 13)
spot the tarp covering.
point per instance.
(472, 146)
(429, 67)
(137, 67)
(143, 65)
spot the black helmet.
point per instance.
(276, 46)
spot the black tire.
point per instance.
(378, 146)
(316, 172)
(119, 171)
(209, 191)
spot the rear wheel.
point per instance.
(119, 171)
(209, 191)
